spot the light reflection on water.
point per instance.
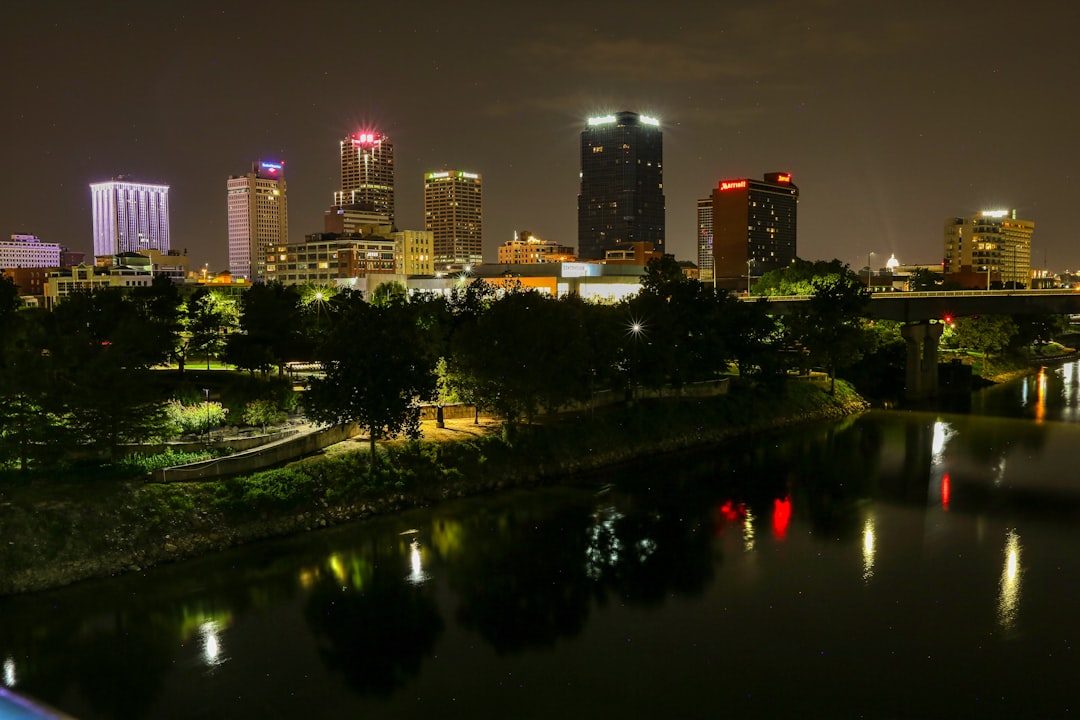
(869, 550)
(1009, 585)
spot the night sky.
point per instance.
(890, 117)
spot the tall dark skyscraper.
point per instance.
(753, 226)
(622, 183)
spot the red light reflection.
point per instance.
(946, 491)
(729, 512)
(781, 516)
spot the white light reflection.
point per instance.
(604, 547)
(942, 434)
(417, 576)
(9, 672)
(868, 549)
(748, 531)
(211, 642)
(1009, 586)
(999, 471)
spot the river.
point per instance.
(899, 564)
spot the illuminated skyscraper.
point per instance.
(704, 239)
(754, 227)
(258, 218)
(367, 174)
(622, 184)
(454, 213)
(994, 242)
(129, 217)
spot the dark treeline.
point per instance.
(89, 372)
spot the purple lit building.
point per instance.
(129, 217)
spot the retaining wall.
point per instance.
(258, 459)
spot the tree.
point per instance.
(100, 347)
(664, 277)
(986, 334)
(271, 329)
(377, 369)
(829, 326)
(523, 355)
(208, 318)
(1038, 330)
(923, 280)
(25, 425)
(801, 277)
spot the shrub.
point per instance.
(184, 419)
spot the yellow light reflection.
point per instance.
(868, 548)
(337, 566)
(1009, 586)
(9, 672)
(748, 531)
(1040, 395)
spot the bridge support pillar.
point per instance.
(922, 345)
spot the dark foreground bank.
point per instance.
(58, 534)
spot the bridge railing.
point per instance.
(902, 295)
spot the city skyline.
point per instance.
(886, 119)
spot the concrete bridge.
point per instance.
(923, 315)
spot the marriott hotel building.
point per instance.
(753, 227)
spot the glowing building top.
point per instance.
(367, 173)
(621, 199)
(129, 217)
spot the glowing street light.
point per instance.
(206, 393)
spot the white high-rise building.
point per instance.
(129, 217)
(258, 218)
(367, 174)
(454, 213)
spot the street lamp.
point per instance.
(206, 393)
(868, 270)
(748, 262)
(635, 329)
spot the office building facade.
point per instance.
(994, 242)
(754, 225)
(27, 251)
(454, 214)
(367, 174)
(705, 239)
(622, 184)
(258, 218)
(129, 217)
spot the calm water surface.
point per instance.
(898, 565)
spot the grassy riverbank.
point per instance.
(58, 533)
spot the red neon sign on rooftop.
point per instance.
(783, 177)
(732, 185)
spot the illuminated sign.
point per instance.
(271, 167)
(603, 120)
(995, 213)
(783, 177)
(576, 269)
(367, 138)
(471, 176)
(647, 120)
(732, 185)
(437, 175)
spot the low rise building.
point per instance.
(526, 248)
(65, 281)
(28, 251)
(329, 258)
